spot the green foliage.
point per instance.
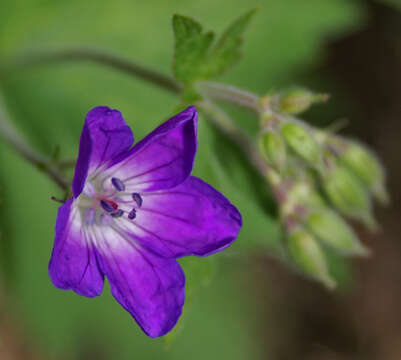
(191, 48)
(228, 50)
(194, 59)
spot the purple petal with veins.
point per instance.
(135, 210)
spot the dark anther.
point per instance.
(137, 198)
(118, 184)
(117, 214)
(106, 206)
(132, 214)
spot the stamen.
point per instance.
(90, 216)
(132, 214)
(108, 205)
(137, 198)
(118, 184)
(117, 214)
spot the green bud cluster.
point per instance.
(325, 177)
(323, 230)
(284, 140)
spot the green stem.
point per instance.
(230, 94)
(44, 57)
(13, 137)
(66, 163)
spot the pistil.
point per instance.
(108, 205)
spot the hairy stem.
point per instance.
(14, 138)
(230, 94)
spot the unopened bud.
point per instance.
(297, 100)
(348, 194)
(368, 168)
(302, 142)
(331, 229)
(305, 193)
(272, 147)
(308, 256)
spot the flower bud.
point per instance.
(302, 142)
(304, 192)
(331, 229)
(272, 147)
(297, 100)
(348, 194)
(368, 168)
(308, 256)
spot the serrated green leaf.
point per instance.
(191, 47)
(228, 49)
(193, 59)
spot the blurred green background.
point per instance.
(242, 304)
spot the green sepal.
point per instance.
(332, 230)
(297, 100)
(348, 194)
(273, 148)
(308, 256)
(367, 167)
(302, 142)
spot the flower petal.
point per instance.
(163, 159)
(73, 263)
(104, 136)
(190, 219)
(150, 288)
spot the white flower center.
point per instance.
(100, 202)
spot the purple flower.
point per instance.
(134, 211)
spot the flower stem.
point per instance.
(15, 139)
(230, 94)
(44, 57)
